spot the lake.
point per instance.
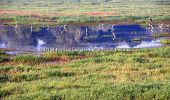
(88, 37)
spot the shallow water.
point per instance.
(102, 36)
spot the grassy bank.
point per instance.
(139, 74)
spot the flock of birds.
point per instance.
(101, 27)
(161, 27)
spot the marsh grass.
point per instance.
(69, 11)
(139, 74)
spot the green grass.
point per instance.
(100, 75)
(29, 58)
(69, 11)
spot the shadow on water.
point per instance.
(79, 37)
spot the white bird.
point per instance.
(103, 26)
(152, 27)
(161, 26)
(31, 28)
(100, 28)
(112, 28)
(64, 26)
(152, 31)
(149, 27)
(16, 25)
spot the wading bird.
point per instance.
(100, 28)
(16, 26)
(31, 28)
(161, 26)
(48, 27)
(103, 26)
(61, 29)
(64, 26)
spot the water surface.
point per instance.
(102, 36)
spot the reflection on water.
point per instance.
(40, 43)
(3, 45)
(143, 44)
(79, 37)
(146, 44)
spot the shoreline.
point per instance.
(81, 20)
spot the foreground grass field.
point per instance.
(65, 11)
(99, 75)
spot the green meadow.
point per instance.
(68, 11)
(140, 74)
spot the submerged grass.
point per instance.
(139, 75)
